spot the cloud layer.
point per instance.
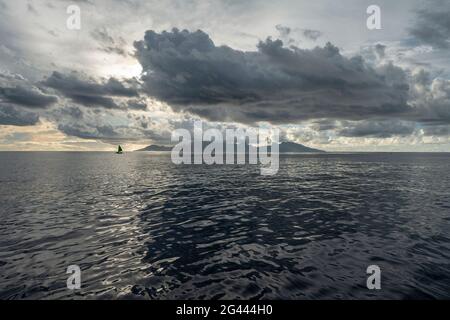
(272, 62)
(12, 116)
(88, 92)
(432, 25)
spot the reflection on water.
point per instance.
(141, 227)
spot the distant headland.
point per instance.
(285, 147)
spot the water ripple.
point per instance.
(142, 228)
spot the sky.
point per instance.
(136, 70)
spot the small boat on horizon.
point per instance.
(119, 150)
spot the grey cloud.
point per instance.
(377, 129)
(88, 92)
(67, 113)
(102, 35)
(99, 101)
(84, 132)
(32, 9)
(116, 50)
(127, 88)
(287, 32)
(324, 124)
(380, 50)
(27, 96)
(73, 111)
(276, 84)
(108, 43)
(110, 134)
(373, 54)
(95, 124)
(431, 99)
(283, 30)
(439, 130)
(422, 78)
(432, 25)
(12, 116)
(137, 104)
(312, 34)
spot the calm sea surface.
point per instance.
(140, 227)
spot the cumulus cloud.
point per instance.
(431, 99)
(277, 84)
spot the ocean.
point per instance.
(140, 227)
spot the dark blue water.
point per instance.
(141, 227)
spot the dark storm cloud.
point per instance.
(276, 84)
(88, 92)
(13, 116)
(98, 101)
(26, 96)
(432, 24)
